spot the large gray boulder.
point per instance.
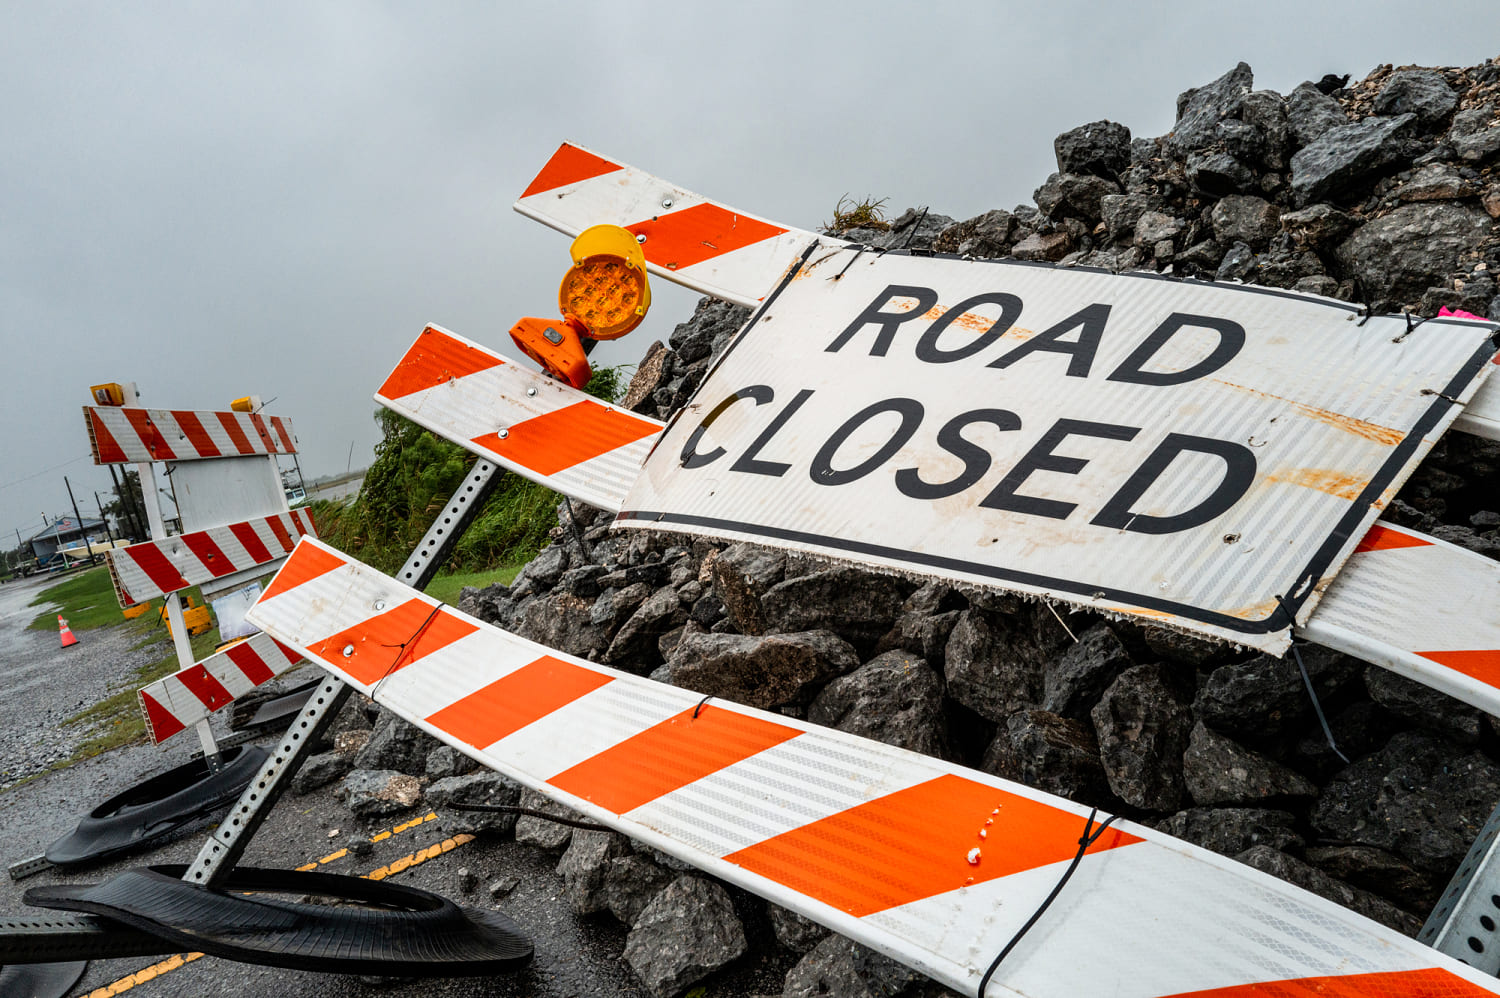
(768, 671)
(1346, 155)
(687, 932)
(894, 698)
(1100, 148)
(1200, 110)
(995, 662)
(742, 573)
(1401, 254)
(858, 606)
(1422, 92)
(1143, 730)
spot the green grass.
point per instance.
(87, 601)
(447, 587)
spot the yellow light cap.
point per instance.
(110, 393)
(606, 288)
(246, 404)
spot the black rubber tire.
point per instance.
(256, 711)
(41, 980)
(157, 808)
(412, 932)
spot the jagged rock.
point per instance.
(1237, 265)
(1379, 872)
(583, 867)
(635, 645)
(1229, 831)
(1054, 754)
(1218, 770)
(1246, 219)
(1143, 731)
(539, 832)
(581, 581)
(990, 234)
(1200, 110)
(445, 760)
(1311, 114)
(350, 742)
(1241, 140)
(1279, 864)
(796, 932)
(1050, 246)
(1421, 797)
(1478, 146)
(563, 622)
(1154, 226)
(630, 883)
(1100, 148)
(1266, 111)
(652, 574)
(1421, 92)
(1265, 696)
(1074, 680)
(1218, 173)
(859, 606)
(713, 324)
(476, 788)
(1189, 649)
(1122, 213)
(927, 618)
(1436, 182)
(1348, 154)
(894, 698)
(1401, 254)
(649, 376)
(321, 770)
(912, 229)
(687, 932)
(742, 573)
(761, 671)
(994, 662)
(614, 606)
(397, 745)
(840, 966)
(1317, 225)
(1424, 706)
(548, 566)
(373, 793)
(1072, 195)
(708, 611)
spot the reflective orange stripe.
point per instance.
(231, 423)
(915, 843)
(569, 165)
(196, 434)
(558, 440)
(1432, 982)
(107, 449)
(1384, 539)
(669, 755)
(510, 703)
(393, 640)
(156, 444)
(1482, 664)
(305, 564)
(162, 722)
(202, 684)
(682, 238)
(431, 361)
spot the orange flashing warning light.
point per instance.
(111, 393)
(246, 404)
(556, 346)
(606, 288)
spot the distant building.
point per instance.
(62, 532)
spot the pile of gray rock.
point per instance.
(1386, 193)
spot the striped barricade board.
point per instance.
(1410, 603)
(153, 568)
(179, 701)
(578, 188)
(127, 435)
(935, 865)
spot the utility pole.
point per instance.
(83, 534)
(107, 532)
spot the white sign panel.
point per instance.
(1205, 455)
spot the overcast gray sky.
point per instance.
(221, 199)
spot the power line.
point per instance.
(44, 471)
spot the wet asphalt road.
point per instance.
(574, 956)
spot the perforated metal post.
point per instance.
(1463, 924)
(227, 843)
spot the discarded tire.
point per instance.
(255, 713)
(390, 929)
(156, 808)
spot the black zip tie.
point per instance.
(700, 705)
(577, 533)
(1311, 693)
(530, 812)
(857, 251)
(1090, 834)
(1365, 312)
(1410, 326)
(403, 646)
(914, 226)
(1445, 398)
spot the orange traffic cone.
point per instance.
(67, 635)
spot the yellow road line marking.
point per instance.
(124, 984)
(404, 863)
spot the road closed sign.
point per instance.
(1196, 454)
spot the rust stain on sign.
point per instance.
(1383, 435)
(1329, 480)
